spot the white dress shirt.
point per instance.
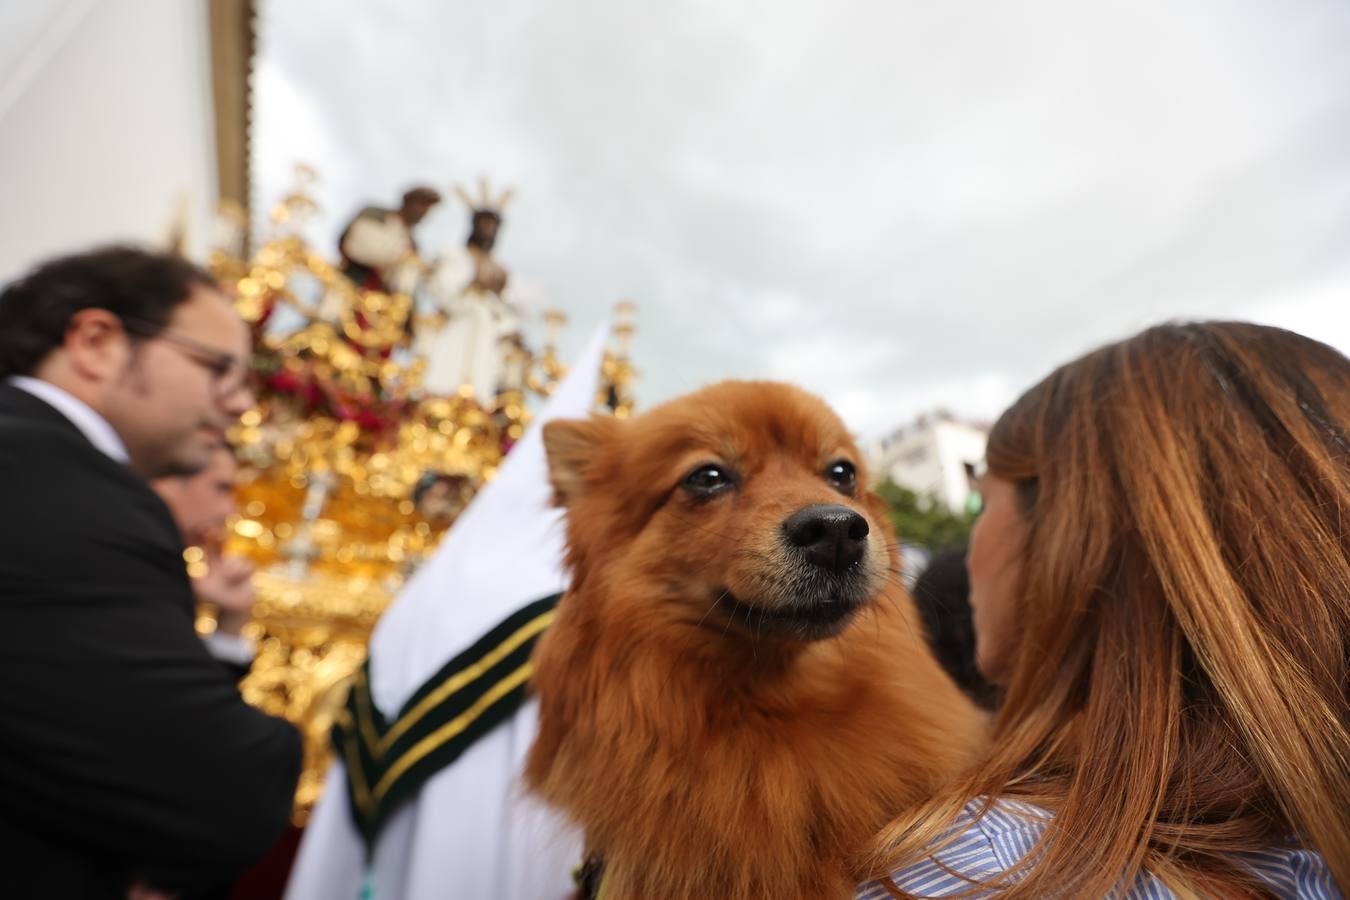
(81, 414)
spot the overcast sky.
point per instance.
(897, 204)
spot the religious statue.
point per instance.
(467, 336)
(439, 497)
(378, 250)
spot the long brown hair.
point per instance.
(1179, 692)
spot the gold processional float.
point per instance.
(356, 459)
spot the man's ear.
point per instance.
(95, 345)
(574, 448)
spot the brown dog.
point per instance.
(736, 694)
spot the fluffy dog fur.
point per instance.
(723, 717)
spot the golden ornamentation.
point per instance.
(335, 452)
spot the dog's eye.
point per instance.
(708, 479)
(843, 475)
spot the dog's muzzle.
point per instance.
(823, 582)
(828, 535)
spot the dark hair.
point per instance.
(130, 283)
(481, 217)
(421, 194)
(424, 484)
(430, 479)
(942, 593)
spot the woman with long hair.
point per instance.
(1161, 584)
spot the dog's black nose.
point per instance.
(831, 536)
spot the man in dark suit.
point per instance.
(128, 761)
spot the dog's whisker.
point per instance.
(754, 644)
(720, 597)
(727, 624)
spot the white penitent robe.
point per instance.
(470, 831)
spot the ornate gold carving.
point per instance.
(344, 456)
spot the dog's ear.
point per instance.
(574, 448)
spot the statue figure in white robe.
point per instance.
(471, 293)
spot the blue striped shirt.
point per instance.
(993, 844)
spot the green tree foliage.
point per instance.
(922, 519)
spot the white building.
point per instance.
(119, 121)
(934, 456)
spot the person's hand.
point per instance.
(142, 891)
(228, 583)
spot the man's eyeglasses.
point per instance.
(227, 370)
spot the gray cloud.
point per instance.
(897, 205)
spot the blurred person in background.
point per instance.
(201, 505)
(942, 593)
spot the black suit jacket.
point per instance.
(126, 751)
